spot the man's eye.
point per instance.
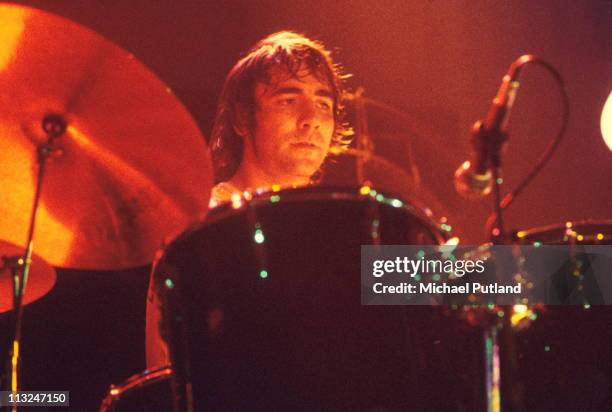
(287, 101)
(325, 106)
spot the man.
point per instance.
(279, 113)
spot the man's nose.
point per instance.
(308, 118)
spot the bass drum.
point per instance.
(575, 282)
(261, 304)
(144, 392)
(567, 343)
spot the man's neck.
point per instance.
(252, 178)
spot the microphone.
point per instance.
(474, 179)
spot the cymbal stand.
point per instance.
(364, 142)
(54, 127)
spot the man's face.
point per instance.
(294, 124)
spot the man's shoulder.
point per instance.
(222, 193)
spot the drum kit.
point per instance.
(100, 162)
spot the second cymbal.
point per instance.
(40, 280)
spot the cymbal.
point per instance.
(41, 277)
(132, 166)
(385, 176)
(385, 115)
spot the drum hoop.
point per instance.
(136, 381)
(575, 224)
(315, 193)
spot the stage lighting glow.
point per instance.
(606, 121)
(11, 30)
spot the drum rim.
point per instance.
(528, 234)
(310, 193)
(115, 392)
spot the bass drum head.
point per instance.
(265, 297)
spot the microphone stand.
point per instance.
(501, 330)
(54, 126)
(504, 391)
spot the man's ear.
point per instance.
(241, 121)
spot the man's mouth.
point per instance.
(305, 145)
